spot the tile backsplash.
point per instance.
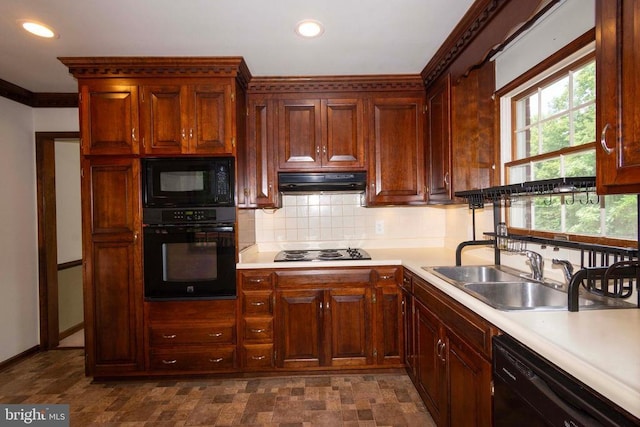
(340, 219)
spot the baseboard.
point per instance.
(72, 330)
(19, 357)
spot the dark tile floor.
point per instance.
(320, 400)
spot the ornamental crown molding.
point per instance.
(133, 67)
(371, 83)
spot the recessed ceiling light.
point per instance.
(38, 29)
(309, 28)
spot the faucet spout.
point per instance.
(567, 268)
(536, 263)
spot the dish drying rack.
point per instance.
(608, 271)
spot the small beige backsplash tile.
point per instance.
(341, 218)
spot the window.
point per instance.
(553, 135)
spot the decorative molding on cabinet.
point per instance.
(336, 84)
(487, 26)
(122, 66)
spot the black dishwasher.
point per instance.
(530, 391)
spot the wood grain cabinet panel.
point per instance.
(188, 118)
(109, 119)
(112, 270)
(438, 124)
(396, 151)
(617, 93)
(452, 354)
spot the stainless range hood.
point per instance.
(320, 182)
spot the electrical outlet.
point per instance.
(379, 226)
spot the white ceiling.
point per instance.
(361, 36)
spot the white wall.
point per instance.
(68, 206)
(19, 319)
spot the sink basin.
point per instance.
(521, 295)
(506, 289)
(476, 273)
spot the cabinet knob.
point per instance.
(603, 140)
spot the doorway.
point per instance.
(48, 267)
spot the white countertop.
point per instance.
(599, 347)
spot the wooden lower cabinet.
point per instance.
(191, 336)
(329, 318)
(452, 354)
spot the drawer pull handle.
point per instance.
(603, 140)
(257, 331)
(169, 337)
(386, 277)
(169, 362)
(257, 303)
(216, 334)
(259, 357)
(216, 360)
(256, 280)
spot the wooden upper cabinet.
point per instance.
(109, 119)
(343, 143)
(618, 89)
(438, 135)
(396, 151)
(321, 133)
(299, 133)
(256, 159)
(187, 119)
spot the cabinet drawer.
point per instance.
(258, 355)
(205, 334)
(210, 359)
(256, 280)
(387, 276)
(257, 303)
(258, 330)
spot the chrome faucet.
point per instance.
(567, 268)
(536, 263)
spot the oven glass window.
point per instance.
(189, 262)
(181, 181)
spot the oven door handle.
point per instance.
(222, 228)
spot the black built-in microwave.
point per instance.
(188, 182)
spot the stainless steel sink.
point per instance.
(521, 295)
(476, 273)
(505, 288)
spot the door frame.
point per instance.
(47, 237)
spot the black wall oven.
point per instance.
(189, 232)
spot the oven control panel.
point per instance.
(199, 215)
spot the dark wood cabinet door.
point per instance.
(408, 333)
(389, 326)
(109, 119)
(348, 335)
(438, 123)
(299, 134)
(211, 115)
(469, 385)
(430, 363)
(163, 119)
(343, 143)
(299, 317)
(618, 89)
(259, 155)
(112, 270)
(396, 148)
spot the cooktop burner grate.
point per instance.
(348, 254)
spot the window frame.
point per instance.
(572, 56)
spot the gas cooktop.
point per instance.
(348, 254)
